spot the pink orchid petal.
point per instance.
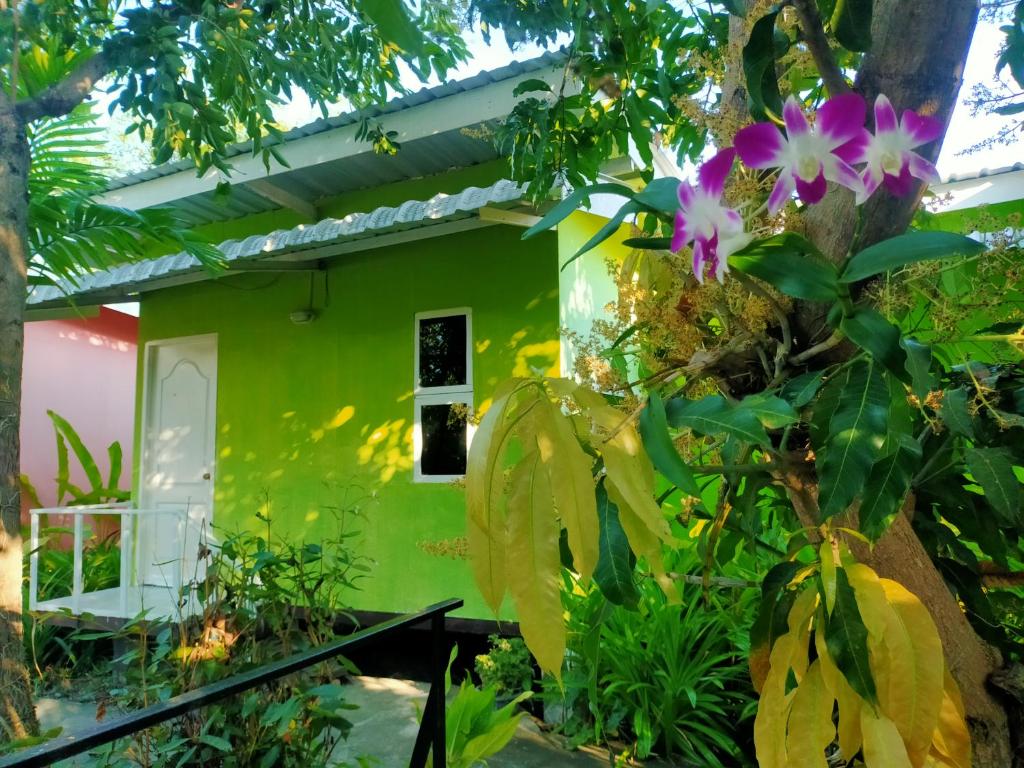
(856, 149)
(793, 116)
(698, 260)
(923, 170)
(714, 172)
(781, 192)
(841, 118)
(901, 185)
(885, 115)
(760, 146)
(734, 218)
(812, 192)
(686, 195)
(872, 180)
(921, 129)
(680, 234)
(840, 173)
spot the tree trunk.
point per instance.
(17, 712)
(917, 60)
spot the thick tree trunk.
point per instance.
(16, 708)
(917, 60)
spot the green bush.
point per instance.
(507, 667)
(668, 679)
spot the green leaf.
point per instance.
(908, 249)
(575, 200)
(759, 56)
(791, 264)
(851, 24)
(736, 7)
(217, 742)
(801, 390)
(649, 243)
(395, 25)
(661, 195)
(954, 413)
(658, 444)
(772, 615)
(713, 415)
(609, 228)
(919, 367)
(888, 484)
(993, 471)
(773, 412)
(856, 431)
(614, 572)
(847, 640)
(531, 85)
(64, 428)
(870, 331)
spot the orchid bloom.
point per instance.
(807, 155)
(888, 152)
(715, 230)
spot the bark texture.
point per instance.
(17, 711)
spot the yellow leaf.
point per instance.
(871, 601)
(643, 543)
(883, 745)
(952, 739)
(912, 691)
(828, 573)
(849, 702)
(773, 707)
(810, 721)
(534, 564)
(625, 461)
(571, 479)
(487, 559)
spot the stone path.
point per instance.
(384, 727)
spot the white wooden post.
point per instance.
(126, 570)
(76, 584)
(33, 563)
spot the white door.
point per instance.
(178, 458)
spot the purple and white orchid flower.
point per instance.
(888, 152)
(715, 230)
(806, 156)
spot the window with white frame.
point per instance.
(443, 394)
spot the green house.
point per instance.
(368, 304)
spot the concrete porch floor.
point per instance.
(384, 727)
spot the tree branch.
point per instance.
(60, 99)
(817, 43)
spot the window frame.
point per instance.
(444, 395)
(454, 388)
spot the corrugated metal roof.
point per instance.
(984, 172)
(485, 77)
(132, 278)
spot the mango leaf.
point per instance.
(713, 415)
(883, 745)
(534, 564)
(993, 471)
(800, 391)
(919, 366)
(851, 24)
(394, 24)
(907, 249)
(954, 414)
(575, 200)
(614, 572)
(531, 85)
(888, 483)
(790, 263)
(571, 480)
(870, 331)
(659, 446)
(857, 430)
(772, 616)
(759, 56)
(773, 412)
(847, 640)
(811, 730)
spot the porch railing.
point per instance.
(430, 738)
(130, 567)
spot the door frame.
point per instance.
(149, 354)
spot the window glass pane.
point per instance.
(443, 428)
(443, 351)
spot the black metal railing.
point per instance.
(430, 738)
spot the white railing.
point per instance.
(131, 570)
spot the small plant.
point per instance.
(507, 667)
(100, 491)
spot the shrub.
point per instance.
(507, 667)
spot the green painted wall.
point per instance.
(305, 412)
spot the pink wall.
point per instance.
(84, 369)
